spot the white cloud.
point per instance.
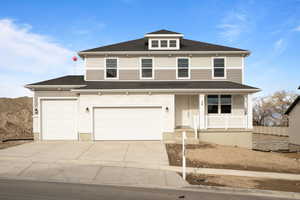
(280, 46)
(27, 57)
(232, 26)
(297, 28)
(23, 50)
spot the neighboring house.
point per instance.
(294, 121)
(146, 89)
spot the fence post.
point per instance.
(183, 156)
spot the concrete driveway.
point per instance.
(121, 163)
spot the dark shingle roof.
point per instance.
(142, 45)
(291, 107)
(79, 80)
(163, 31)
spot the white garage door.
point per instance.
(59, 119)
(128, 123)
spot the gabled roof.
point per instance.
(163, 31)
(291, 107)
(80, 83)
(142, 45)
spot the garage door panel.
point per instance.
(127, 123)
(59, 119)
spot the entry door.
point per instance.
(128, 123)
(186, 107)
(58, 119)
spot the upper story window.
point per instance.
(154, 43)
(164, 44)
(146, 68)
(111, 68)
(219, 104)
(183, 71)
(219, 68)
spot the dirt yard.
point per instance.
(244, 182)
(225, 157)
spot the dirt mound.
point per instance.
(15, 117)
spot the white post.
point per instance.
(202, 111)
(183, 156)
(249, 112)
(196, 126)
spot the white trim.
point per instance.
(213, 69)
(246, 53)
(54, 86)
(219, 105)
(163, 48)
(105, 68)
(189, 68)
(95, 106)
(243, 69)
(85, 66)
(164, 35)
(40, 111)
(140, 68)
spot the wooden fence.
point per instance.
(271, 130)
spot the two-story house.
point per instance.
(146, 89)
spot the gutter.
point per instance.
(53, 86)
(188, 90)
(158, 52)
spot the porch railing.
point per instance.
(226, 121)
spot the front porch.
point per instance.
(213, 111)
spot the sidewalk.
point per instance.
(210, 171)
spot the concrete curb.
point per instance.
(192, 188)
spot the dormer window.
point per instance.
(154, 43)
(164, 44)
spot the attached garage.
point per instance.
(127, 123)
(58, 119)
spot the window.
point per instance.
(164, 43)
(225, 104)
(172, 43)
(111, 67)
(183, 68)
(146, 67)
(212, 104)
(154, 43)
(219, 104)
(219, 67)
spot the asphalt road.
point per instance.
(31, 190)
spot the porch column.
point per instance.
(202, 111)
(249, 112)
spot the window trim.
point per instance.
(163, 48)
(105, 68)
(213, 68)
(219, 105)
(140, 71)
(189, 68)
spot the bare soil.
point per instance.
(15, 118)
(206, 155)
(244, 182)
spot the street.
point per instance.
(33, 190)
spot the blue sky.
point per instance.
(38, 38)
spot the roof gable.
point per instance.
(297, 100)
(163, 31)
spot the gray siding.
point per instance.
(234, 75)
(94, 74)
(165, 74)
(294, 125)
(129, 75)
(201, 74)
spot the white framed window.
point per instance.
(111, 68)
(219, 67)
(219, 104)
(163, 44)
(154, 43)
(146, 68)
(183, 68)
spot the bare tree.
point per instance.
(269, 110)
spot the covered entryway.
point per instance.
(127, 123)
(58, 119)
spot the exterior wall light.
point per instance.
(36, 111)
(167, 109)
(87, 109)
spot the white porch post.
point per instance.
(202, 119)
(249, 112)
